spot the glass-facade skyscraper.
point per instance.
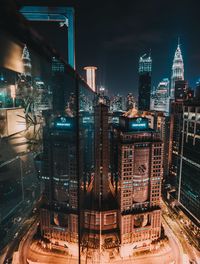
(189, 168)
(144, 89)
(160, 100)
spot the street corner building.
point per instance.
(140, 156)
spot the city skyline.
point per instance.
(115, 45)
(134, 30)
(89, 174)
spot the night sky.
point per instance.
(113, 34)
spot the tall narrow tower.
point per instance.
(177, 69)
(140, 172)
(26, 62)
(102, 157)
(100, 213)
(145, 66)
(91, 77)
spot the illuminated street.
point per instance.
(38, 256)
(166, 255)
(189, 252)
(21, 232)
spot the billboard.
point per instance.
(138, 123)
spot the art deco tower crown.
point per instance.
(26, 61)
(177, 69)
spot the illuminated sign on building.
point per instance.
(134, 123)
(138, 124)
(63, 123)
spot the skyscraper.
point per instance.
(181, 87)
(130, 101)
(102, 161)
(100, 207)
(91, 76)
(197, 89)
(58, 214)
(58, 89)
(181, 94)
(117, 103)
(160, 100)
(177, 69)
(144, 93)
(176, 123)
(26, 62)
(160, 122)
(140, 174)
(189, 169)
(57, 66)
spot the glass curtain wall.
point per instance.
(46, 147)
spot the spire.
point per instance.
(26, 61)
(177, 68)
(179, 42)
(25, 53)
(150, 53)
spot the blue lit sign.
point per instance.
(142, 125)
(139, 124)
(63, 123)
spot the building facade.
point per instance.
(181, 88)
(144, 89)
(130, 102)
(59, 213)
(160, 100)
(197, 89)
(182, 94)
(189, 169)
(160, 122)
(140, 172)
(100, 205)
(117, 103)
(176, 124)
